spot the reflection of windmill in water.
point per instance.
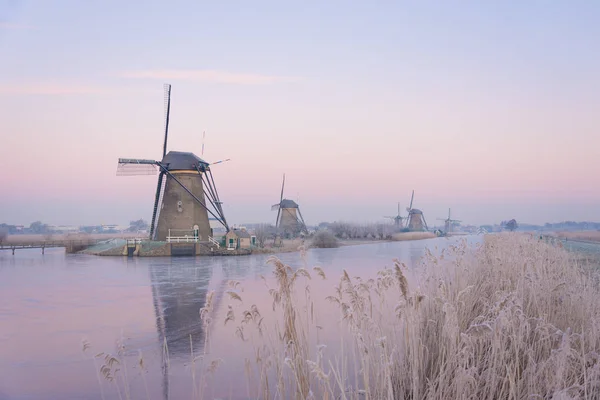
(185, 183)
(416, 219)
(179, 292)
(449, 223)
(289, 218)
(397, 219)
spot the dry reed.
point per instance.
(401, 236)
(512, 318)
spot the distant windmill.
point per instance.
(289, 218)
(416, 219)
(185, 183)
(449, 222)
(397, 219)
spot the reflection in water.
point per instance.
(324, 256)
(178, 293)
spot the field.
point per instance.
(412, 236)
(30, 239)
(512, 318)
(591, 236)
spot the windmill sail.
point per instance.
(160, 190)
(134, 167)
(167, 112)
(277, 221)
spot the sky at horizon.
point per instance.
(489, 108)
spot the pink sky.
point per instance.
(492, 119)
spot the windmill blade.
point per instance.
(398, 208)
(275, 207)
(203, 136)
(411, 199)
(220, 161)
(277, 220)
(156, 209)
(167, 112)
(282, 185)
(424, 222)
(301, 220)
(134, 167)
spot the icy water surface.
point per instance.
(50, 303)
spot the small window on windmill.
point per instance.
(179, 206)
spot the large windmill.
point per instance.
(449, 222)
(186, 193)
(289, 218)
(416, 219)
(397, 219)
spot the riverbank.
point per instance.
(145, 248)
(586, 236)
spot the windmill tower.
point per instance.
(289, 218)
(185, 194)
(416, 219)
(449, 223)
(397, 219)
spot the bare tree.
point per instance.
(511, 225)
(344, 230)
(3, 235)
(324, 239)
(263, 233)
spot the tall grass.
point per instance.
(512, 318)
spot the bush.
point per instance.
(324, 240)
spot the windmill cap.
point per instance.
(183, 161)
(286, 203)
(416, 211)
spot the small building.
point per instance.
(239, 239)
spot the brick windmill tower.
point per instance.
(416, 219)
(185, 194)
(289, 218)
(449, 223)
(397, 219)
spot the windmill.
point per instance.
(186, 193)
(416, 219)
(289, 218)
(397, 219)
(448, 222)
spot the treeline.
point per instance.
(349, 230)
(40, 228)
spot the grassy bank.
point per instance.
(402, 236)
(590, 236)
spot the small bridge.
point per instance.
(70, 246)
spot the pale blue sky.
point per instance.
(490, 108)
